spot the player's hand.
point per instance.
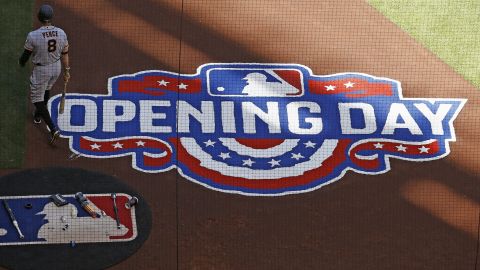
(66, 75)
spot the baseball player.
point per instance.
(47, 45)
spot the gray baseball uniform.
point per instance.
(47, 44)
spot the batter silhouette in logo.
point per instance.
(257, 85)
(257, 129)
(64, 225)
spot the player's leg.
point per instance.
(54, 70)
(42, 111)
(36, 117)
(38, 84)
(46, 96)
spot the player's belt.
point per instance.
(40, 64)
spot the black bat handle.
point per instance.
(115, 209)
(12, 217)
(9, 210)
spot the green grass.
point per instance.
(448, 28)
(16, 22)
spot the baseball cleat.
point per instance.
(36, 118)
(54, 137)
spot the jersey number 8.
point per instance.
(52, 45)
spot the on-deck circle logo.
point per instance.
(257, 129)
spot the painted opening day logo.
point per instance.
(257, 129)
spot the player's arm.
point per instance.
(28, 49)
(24, 57)
(66, 64)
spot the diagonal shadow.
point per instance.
(444, 172)
(93, 59)
(200, 36)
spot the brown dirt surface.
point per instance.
(360, 222)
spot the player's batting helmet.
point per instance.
(45, 13)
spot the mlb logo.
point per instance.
(46, 223)
(245, 82)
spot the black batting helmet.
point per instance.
(45, 13)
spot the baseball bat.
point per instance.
(62, 101)
(85, 204)
(115, 209)
(12, 218)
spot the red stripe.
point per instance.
(157, 162)
(131, 144)
(361, 88)
(105, 203)
(323, 171)
(150, 85)
(389, 148)
(292, 77)
(260, 143)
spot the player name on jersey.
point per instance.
(257, 129)
(50, 34)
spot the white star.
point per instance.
(95, 146)
(348, 84)
(401, 148)
(378, 145)
(248, 162)
(140, 143)
(297, 156)
(117, 145)
(163, 83)
(209, 143)
(330, 87)
(310, 144)
(274, 162)
(182, 86)
(224, 155)
(423, 149)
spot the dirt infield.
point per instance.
(417, 216)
